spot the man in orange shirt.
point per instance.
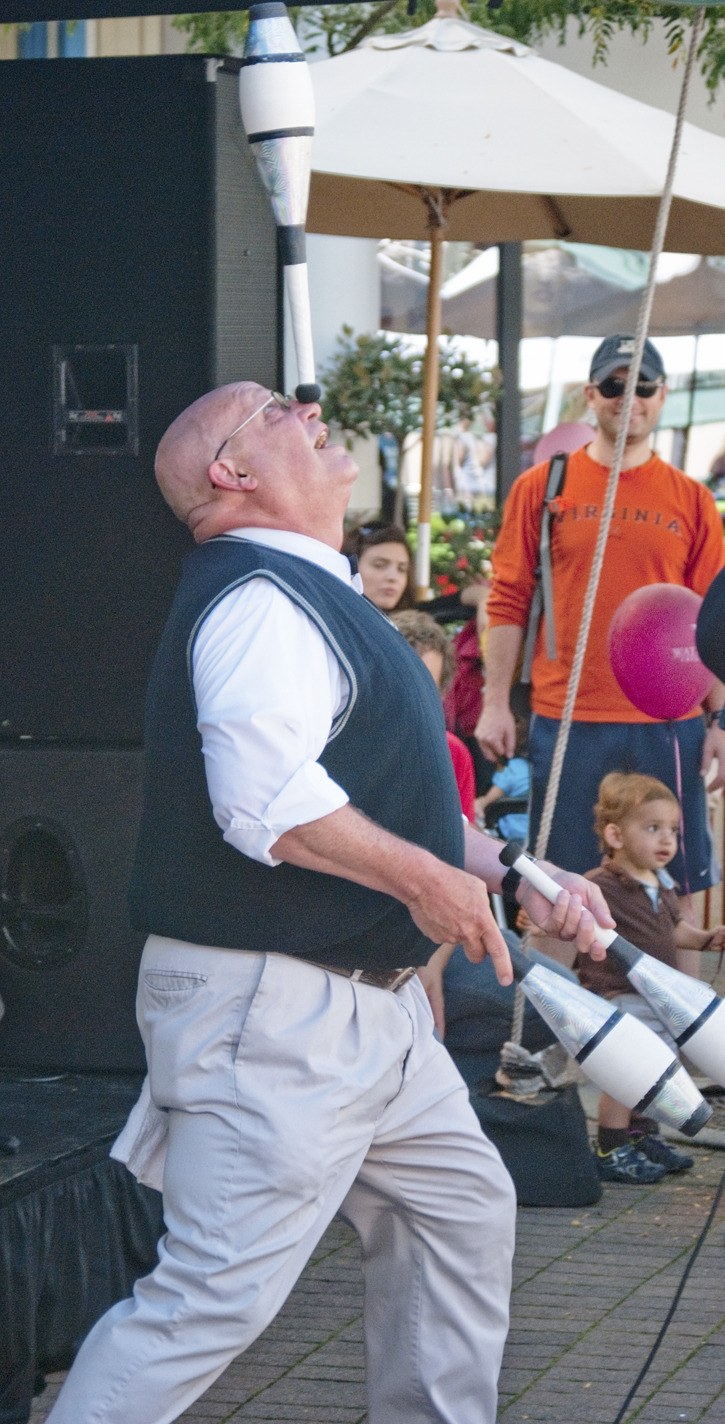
(665, 529)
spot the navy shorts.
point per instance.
(595, 748)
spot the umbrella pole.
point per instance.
(430, 401)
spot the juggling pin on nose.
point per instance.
(690, 1010)
(278, 113)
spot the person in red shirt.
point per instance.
(431, 644)
(665, 529)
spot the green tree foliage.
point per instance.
(374, 385)
(336, 28)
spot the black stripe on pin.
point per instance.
(267, 9)
(510, 853)
(265, 134)
(294, 58)
(658, 1086)
(291, 245)
(625, 953)
(597, 1037)
(696, 1120)
(701, 1115)
(706, 1013)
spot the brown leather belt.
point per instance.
(379, 978)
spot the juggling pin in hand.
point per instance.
(618, 1052)
(278, 113)
(690, 1010)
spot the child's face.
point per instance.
(434, 663)
(647, 839)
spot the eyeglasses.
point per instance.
(612, 387)
(285, 402)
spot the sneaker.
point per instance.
(627, 1164)
(656, 1150)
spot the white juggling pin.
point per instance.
(278, 113)
(691, 1011)
(621, 1055)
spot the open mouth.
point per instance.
(322, 438)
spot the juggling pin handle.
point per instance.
(514, 856)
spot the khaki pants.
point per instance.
(291, 1094)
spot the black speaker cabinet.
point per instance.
(68, 957)
(139, 270)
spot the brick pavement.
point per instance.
(591, 1290)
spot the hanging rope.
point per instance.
(552, 789)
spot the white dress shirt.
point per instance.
(267, 689)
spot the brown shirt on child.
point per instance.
(637, 920)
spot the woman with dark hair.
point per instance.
(384, 564)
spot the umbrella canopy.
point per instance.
(523, 147)
(559, 289)
(563, 288)
(451, 129)
(689, 304)
(563, 298)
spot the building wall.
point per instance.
(129, 36)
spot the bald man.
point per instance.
(301, 851)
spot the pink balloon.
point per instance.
(564, 438)
(653, 654)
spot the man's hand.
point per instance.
(579, 908)
(716, 940)
(431, 977)
(714, 750)
(580, 905)
(448, 905)
(453, 907)
(495, 731)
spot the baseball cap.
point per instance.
(616, 351)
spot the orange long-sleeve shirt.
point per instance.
(665, 529)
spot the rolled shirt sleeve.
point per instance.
(267, 689)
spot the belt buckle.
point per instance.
(391, 980)
(401, 978)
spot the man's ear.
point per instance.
(222, 475)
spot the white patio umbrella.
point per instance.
(685, 304)
(454, 131)
(562, 292)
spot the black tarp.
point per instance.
(76, 1229)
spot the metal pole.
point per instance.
(430, 405)
(509, 324)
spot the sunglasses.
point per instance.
(612, 387)
(285, 402)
